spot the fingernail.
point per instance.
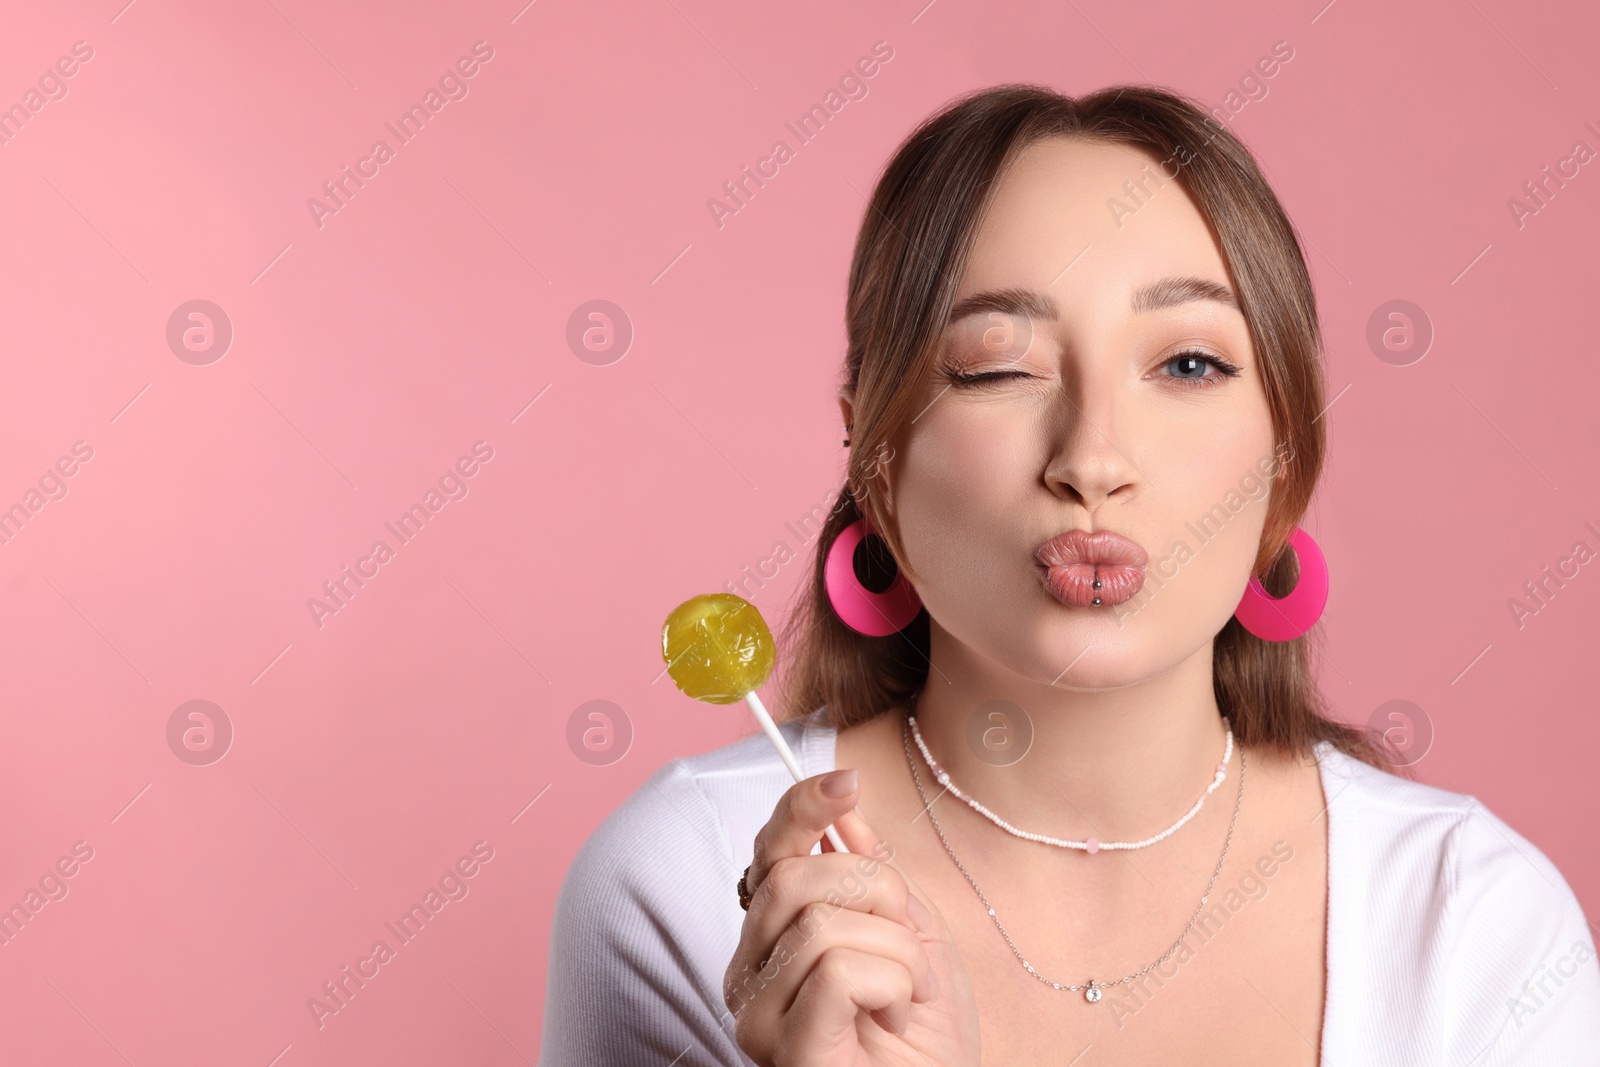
(920, 915)
(838, 784)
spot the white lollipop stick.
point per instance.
(759, 710)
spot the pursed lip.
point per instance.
(1073, 561)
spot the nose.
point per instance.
(1087, 464)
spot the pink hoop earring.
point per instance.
(1274, 619)
(866, 612)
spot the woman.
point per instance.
(1095, 811)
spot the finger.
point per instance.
(796, 826)
(798, 884)
(862, 840)
(840, 986)
(799, 818)
(768, 980)
(859, 837)
(821, 929)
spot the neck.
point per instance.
(1110, 763)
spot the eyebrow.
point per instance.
(1168, 292)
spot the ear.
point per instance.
(880, 470)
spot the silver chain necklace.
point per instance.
(1091, 990)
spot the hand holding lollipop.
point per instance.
(718, 649)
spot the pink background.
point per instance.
(370, 353)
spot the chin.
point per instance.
(1104, 657)
(1102, 654)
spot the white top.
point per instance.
(1451, 939)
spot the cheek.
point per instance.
(1214, 508)
(1210, 456)
(1221, 480)
(960, 485)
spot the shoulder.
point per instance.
(700, 812)
(648, 914)
(1474, 856)
(1469, 912)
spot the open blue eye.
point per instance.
(1191, 366)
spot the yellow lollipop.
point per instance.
(718, 649)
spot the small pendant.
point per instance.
(1092, 994)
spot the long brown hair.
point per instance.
(909, 257)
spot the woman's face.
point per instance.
(1124, 399)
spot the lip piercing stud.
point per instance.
(1097, 583)
(1097, 601)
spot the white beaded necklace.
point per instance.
(1091, 845)
(1091, 989)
